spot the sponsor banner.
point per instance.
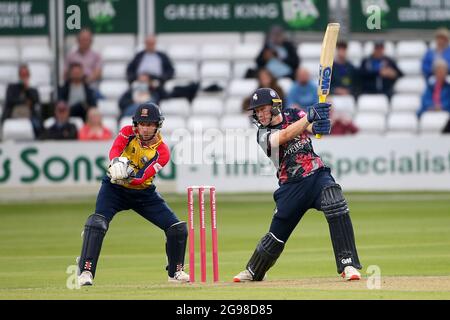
(21, 17)
(357, 163)
(104, 16)
(239, 15)
(399, 14)
(47, 164)
(235, 164)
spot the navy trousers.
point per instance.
(294, 199)
(148, 203)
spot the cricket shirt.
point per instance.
(295, 159)
(146, 161)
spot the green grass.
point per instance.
(406, 235)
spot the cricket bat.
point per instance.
(326, 62)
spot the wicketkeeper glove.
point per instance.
(318, 111)
(119, 168)
(321, 126)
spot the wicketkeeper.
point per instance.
(137, 154)
(305, 182)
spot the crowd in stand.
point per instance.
(150, 69)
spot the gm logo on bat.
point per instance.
(325, 80)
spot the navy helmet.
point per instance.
(148, 112)
(262, 97)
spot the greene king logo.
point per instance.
(102, 14)
(300, 13)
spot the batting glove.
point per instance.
(318, 111)
(321, 127)
(118, 168)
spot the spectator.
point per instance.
(341, 124)
(94, 129)
(62, 129)
(90, 60)
(76, 92)
(442, 51)
(437, 94)
(265, 80)
(151, 61)
(141, 90)
(22, 101)
(344, 76)
(379, 72)
(303, 92)
(278, 55)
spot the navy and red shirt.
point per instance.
(295, 159)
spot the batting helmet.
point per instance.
(262, 97)
(148, 112)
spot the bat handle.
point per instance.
(322, 99)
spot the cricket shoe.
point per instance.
(85, 279)
(350, 273)
(179, 277)
(245, 276)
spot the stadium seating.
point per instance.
(183, 52)
(242, 87)
(247, 51)
(17, 130)
(8, 73)
(114, 71)
(108, 108)
(370, 123)
(236, 121)
(309, 50)
(37, 54)
(111, 124)
(125, 121)
(410, 67)
(113, 89)
(223, 59)
(207, 106)
(410, 85)
(344, 104)
(186, 70)
(40, 74)
(202, 123)
(172, 122)
(215, 70)
(405, 103)
(215, 52)
(117, 53)
(175, 106)
(233, 105)
(402, 122)
(408, 49)
(9, 54)
(433, 121)
(373, 103)
(240, 68)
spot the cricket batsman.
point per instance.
(304, 183)
(137, 154)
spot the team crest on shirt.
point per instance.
(144, 160)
